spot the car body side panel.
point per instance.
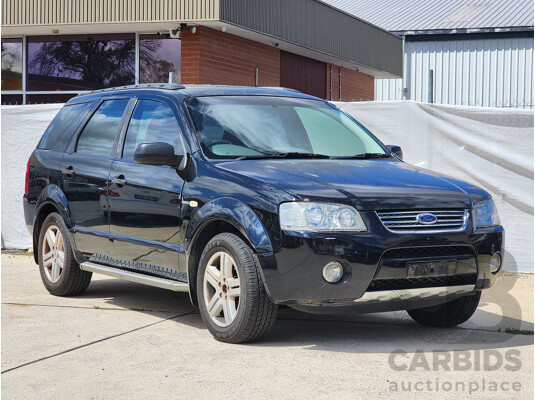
(44, 189)
(233, 212)
(236, 213)
(247, 203)
(84, 191)
(145, 216)
(50, 199)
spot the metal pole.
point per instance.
(404, 82)
(430, 87)
(331, 83)
(24, 70)
(256, 77)
(340, 84)
(171, 76)
(136, 72)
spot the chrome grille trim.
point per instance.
(406, 222)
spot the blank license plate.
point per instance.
(431, 268)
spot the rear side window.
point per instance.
(151, 122)
(98, 136)
(67, 120)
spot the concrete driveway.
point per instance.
(126, 341)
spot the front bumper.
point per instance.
(377, 261)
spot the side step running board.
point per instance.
(135, 277)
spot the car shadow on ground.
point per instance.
(362, 333)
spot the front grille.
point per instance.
(405, 221)
(417, 283)
(419, 252)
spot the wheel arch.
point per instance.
(52, 199)
(222, 216)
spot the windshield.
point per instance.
(262, 126)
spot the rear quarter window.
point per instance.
(67, 120)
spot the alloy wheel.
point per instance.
(222, 289)
(53, 254)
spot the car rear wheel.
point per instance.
(448, 314)
(230, 290)
(60, 272)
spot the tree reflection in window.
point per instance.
(11, 64)
(158, 55)
(80, 63)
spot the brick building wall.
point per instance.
(213, 57)
(356, 86)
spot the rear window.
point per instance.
(68, 119)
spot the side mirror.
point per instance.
(396, 150)
(158, 153)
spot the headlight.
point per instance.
(485, 214)
(319, 217)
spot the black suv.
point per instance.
(250, 198)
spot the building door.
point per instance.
(304, 74)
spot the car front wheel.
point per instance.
(230, 290)
(60, 272)
(452, 313)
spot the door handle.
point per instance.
(68, 171)
(118, 180)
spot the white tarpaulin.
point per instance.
(22, 127)
(491, 147)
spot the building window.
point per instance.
(12, 99)
(48, 98)
(65, 63)
(11, 64)
(53, 69)
(158, 56)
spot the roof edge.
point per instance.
(464, 30)
(357, 18)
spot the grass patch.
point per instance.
(518, 331)
(25, 254)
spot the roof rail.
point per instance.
(281, 88)
(165, 86)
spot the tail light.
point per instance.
(109, 193)
(27, 182)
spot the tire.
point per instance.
(448, 314)
(247, 314)
(65, 279)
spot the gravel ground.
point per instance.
(124, 340)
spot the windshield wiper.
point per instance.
(364, 156)
(282, 155)
(311, 155)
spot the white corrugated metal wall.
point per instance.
(488, 73)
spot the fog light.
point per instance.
(333, 272)
(495, 263)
